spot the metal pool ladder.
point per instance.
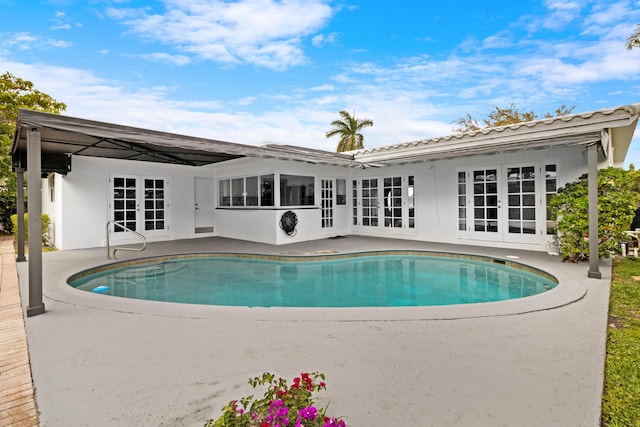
(122, 248)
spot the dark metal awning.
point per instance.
(64, 136)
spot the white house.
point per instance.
(487, 188)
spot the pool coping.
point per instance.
(563, 294)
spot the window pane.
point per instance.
(225, 193)
(252, 191)
(237, 190)
(529, 213)
(266, 189)
(297, 190)
(341, 191)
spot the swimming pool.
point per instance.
(373, 279)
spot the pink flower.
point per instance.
(335, 422)
(309, 413)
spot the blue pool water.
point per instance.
(389, 280)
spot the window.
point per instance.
(521, 201)
(354, 196)
(462, 201)
(252, 191)
(237, 192)
(370, 202)
(341, 192)
(246, 191)
(224, 192)
(266, 188)
(327, 202)
(153, 204)
(139, 203)
(297, 190)
(485, 200)
(392, 201)
(551, 188)
(124, 203)
(411, 201)
(51, 181)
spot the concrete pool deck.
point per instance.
(538, 361)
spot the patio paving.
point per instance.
(100, 360)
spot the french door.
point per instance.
(386, 203)
(501, 203)
(139, 204)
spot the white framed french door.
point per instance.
(384, 204)
(138, 203)
(501, 203)
(525, 211)
(486, 222)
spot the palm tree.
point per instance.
(348, 128)
(634, 39)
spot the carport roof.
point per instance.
(65, 135)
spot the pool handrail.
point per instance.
(140, 249)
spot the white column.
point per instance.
(594, 237)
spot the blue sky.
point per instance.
(255, 71)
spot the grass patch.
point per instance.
(621, 398)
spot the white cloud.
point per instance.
(58, 43)
(59, 22)
(562, 13)
(61, 27)
(399, 115)
(21, 40)
(323, 88)
(500, 40)
(323, 39)
(604, 15)
(27, 41)
(266, 33)
(165, 57)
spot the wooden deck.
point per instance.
(17, 401)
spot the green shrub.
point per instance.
(7, 207)
(45, 227)
(617, 198)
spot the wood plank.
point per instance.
(17, 401)
(19, 413)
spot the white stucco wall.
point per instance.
(262, 225)
(86, 193)
(82, 206)
(437, 198)
(52, 207)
